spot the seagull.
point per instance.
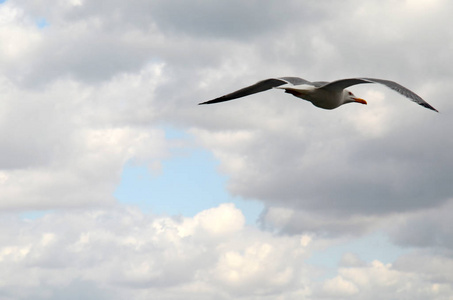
(323, 94)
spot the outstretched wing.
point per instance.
(260, 86)
(344, 83)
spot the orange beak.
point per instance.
(358, 100)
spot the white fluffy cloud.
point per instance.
(137, 254)
(122, 253)
(67, 143)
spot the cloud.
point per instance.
(85, 49)
(292, 221)
(335, 168)
(426, 229)
(359, 283)
(120, 252)
(66, 145)
(126, 250)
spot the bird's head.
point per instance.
(349, 97)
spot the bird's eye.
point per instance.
(350, 94)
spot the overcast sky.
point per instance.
(115, 184)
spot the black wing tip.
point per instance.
(260, 86)
(426, 105)
(211, 101)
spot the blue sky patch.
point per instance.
(187, 184)
(41, 22)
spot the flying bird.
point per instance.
(327, 95)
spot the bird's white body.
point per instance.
(327, 99)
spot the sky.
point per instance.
(115, 184)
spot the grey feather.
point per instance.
(296, 80)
